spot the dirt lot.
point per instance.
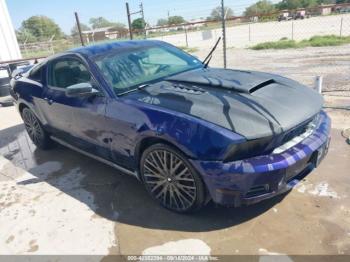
(303, 65)
(243, 35)
(60, 202)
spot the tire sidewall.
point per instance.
(44, 142)
(200, 190)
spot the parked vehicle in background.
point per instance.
(4, 81)
(188, 132)
(344, 10)
(6, 71)
(284, 17)
(301, 15)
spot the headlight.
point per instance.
(249, 149)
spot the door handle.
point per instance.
(48, 100)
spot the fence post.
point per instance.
(144, 22)
(341, 26)
(186, 36)
(129, 19)
(292, 30)
(25, 46)
(318, 84)
(79, 28)
(249, 33)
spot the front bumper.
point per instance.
(252, 180)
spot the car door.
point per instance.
(79, 120)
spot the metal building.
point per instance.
(9, 49)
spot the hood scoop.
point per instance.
(190, 89)
(261, 85)
(234, 80)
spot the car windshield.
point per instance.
(126, 70)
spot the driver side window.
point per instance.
(66, 72)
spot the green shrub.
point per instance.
(315, 41)
(281, 44)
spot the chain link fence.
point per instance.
(242, 33)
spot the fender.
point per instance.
(185, 132)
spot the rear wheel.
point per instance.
(171, 180)
(35, 130)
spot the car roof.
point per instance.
(101, 49)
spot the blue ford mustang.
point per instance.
(190, 133)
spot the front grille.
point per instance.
(295, 132)
(296, 135)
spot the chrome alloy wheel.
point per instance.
(169, 180)
(33, 127)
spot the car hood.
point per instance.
(252, 104)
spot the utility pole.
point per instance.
(144, 22)
(223, 17)
(79, 29)
(129, 19)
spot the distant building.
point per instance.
(104, 33)
(326, 9)
(9, 49)
(301, 11)
(195, 24)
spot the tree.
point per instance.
(162, 22)
(175, 20)
(262, 7)
(24, 36)
(99, 22)
(138, 24)
(309, 3)
(294, 4)
(74, 31)
(40, 28)
(216, 13)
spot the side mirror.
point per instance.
(18, 71)
(82, 89)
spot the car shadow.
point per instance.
(116, 197)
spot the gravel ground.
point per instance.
(244, 35)
(303, 65)
(60, 202)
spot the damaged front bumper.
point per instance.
(252, 180)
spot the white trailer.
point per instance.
(9, 49)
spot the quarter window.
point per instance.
(67, 72)
(36, 73)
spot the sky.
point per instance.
(62, 11)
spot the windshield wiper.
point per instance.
(206, 61)
(140, 87)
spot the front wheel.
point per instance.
(171, 180)
(35, 130)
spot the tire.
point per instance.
(35, 130)
(171, 180)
